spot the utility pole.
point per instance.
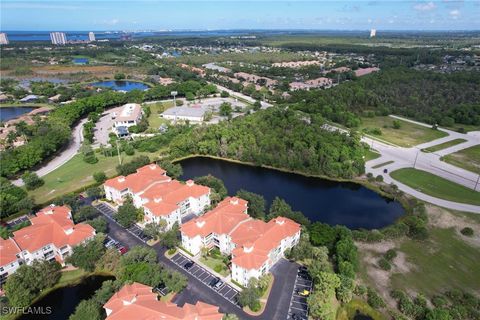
(118, 153)
(174, 93)
(415, 162)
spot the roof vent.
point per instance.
(121, 179)
(157, 200)
(152, 166)
(190, 183)
(248, 247)
(200, 223)
(280, 221)
(234, 201)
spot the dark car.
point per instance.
(296, 316)
(218, 285)
(385, 170)
(188, 265)
(213, 282)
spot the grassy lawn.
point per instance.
(76, 174)
(155, 120)
(444, 145)
(436, 186)
(71, 276)
(468, 159)
(407, 135)
(440, 263)
(212, 262)
(371, 155)
(383, 164)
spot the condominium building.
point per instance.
(254, 245)
(137, 301)
(91, 36)
(52, 235)
(161, 197)
(58, 38)
(3, 38)
(126, 116)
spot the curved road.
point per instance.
(66, 154)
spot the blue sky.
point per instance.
(175, 15)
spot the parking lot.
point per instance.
(135, 230)
(226, 291)
(298, 304)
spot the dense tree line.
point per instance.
(279, 138)
(431, 97)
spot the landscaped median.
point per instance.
(435, 186)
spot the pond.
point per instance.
(122, 85)
(63, 301)
(8, 113)
(332, 202)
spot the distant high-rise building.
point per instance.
(91, 36)
(58, 37)
(3, 38)
(373, 33)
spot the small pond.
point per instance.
(121, 85)
(332, 202)
(63, 301)
(8, 113)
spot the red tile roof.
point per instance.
(143, 178)
(221, 220)
(8, 251)
(137, 301)
(52, 225)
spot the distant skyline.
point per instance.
(214, 15)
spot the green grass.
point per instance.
(76, 174)
(443, 262)
(371, 155)
(70, 276)
(444, 145)
(435, 186)
(468, 159)
(211, 262)
(383, 164)
(408, 135)
(349, 310)
(154, 120)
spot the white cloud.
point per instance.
(111, 22)
(428, 6)
(454, 13)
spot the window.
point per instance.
(1, 269)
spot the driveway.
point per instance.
(284, 272)
(66, 154)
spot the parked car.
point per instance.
(213, 282)
(188, 265)
(385, 170)
(296, 316)
(110, 243)
(218, 285)
(303, 293)
(123, 250)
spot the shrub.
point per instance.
(374, 300)
(218, 268)
(390, 254)
(100, 177)
(467, 231)
(379, 178)
(32, 180)
(384, 264)
(360, 290)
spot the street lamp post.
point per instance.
(174, 93)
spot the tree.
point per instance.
(94, 192)
(119, 76)
(174, 280)
(345, 290)
(230, 316)
(170, 238)
(174, 170)
(250, 296)
(139, 254)
(85, 213)
(396, 124)
(100, 177)
(154, 230)
(86, 256)
(224, 94)
(110, 260)
(87, 310)
(280, 207)
(32, 181)
(143, 272)
(256, 203)
(226, 109)
(257, 105)
(127, 213)
(10, 198)
(99, 224)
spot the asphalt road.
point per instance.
(284, 273)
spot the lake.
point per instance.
(122, 85)
(8, 113)
(332, 202)
(64, 300)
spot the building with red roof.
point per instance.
(137, 301)
(161, 197)
(52, 235)
(255, 245)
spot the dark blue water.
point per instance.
(343, 203)
(9, 113)
(80, 60)
(121, 85)
(62, 302)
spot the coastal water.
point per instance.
(8, 113)
(122, 85)
(332, 202)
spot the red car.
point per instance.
(123, 250)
